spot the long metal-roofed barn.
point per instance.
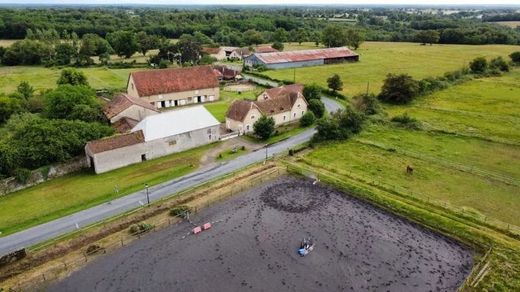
(291, 59)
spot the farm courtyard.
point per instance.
(358, 247)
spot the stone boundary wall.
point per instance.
(10, 184)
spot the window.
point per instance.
(132, 86)
(294, 115)
(299, 105)
(143, 157)
(303, 113)
(247, 127)
(172, 142)
(252, 117)
(163, 103)
(284, 118)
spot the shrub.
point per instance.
(515, 57)
(307, 119)
(406, 121)
(93, 248)
(500, 64)
(339, 126)
(317, 107)
(478, 65)
(399, 89)
(366, 103)
(139, 228)
(22, 175)
(264, 127)
(180, 211)
(278, 46)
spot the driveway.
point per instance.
(55, 228)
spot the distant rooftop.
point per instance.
(305, 55)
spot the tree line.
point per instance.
(237, 26)
(40, 129)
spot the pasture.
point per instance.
(467, 155)
(377, 59)
(42, 78)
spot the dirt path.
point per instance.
(252, 246)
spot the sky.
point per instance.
(272, 2)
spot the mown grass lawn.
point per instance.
(477, 167)
(377, 59)
(66, 195)
(42, 78)
(219, 108)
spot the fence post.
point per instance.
(122, 244)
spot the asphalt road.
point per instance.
(55, 228)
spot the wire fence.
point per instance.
(57, 269)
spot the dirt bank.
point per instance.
(252, 246)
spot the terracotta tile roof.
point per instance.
(282, 100)
(122, 102)
(115, 142)
(277, 105)
(283, 90)
(124, 125)
(211, 51)
(226, 72)
(218, 73)
(262, 50)
(154, 82)
(305, 55)
(239, 109)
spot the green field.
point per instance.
(476, 168)
(377, 59)
(45, 78)
(219, 108)
(66, 195)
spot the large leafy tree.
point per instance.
(187, 50)
(65, 53)
(124, 43)
(73, 103)
(334, 36)
(312, 91)
(34, 141)
(354, 38)
(317, 107)
(427, 37)
(264, 127)
(335, 83)
(253, 37)
(399, 89)
(72, 77)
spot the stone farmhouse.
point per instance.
(292, 59)
(155, 136)
(174, 87)
(285, 104)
